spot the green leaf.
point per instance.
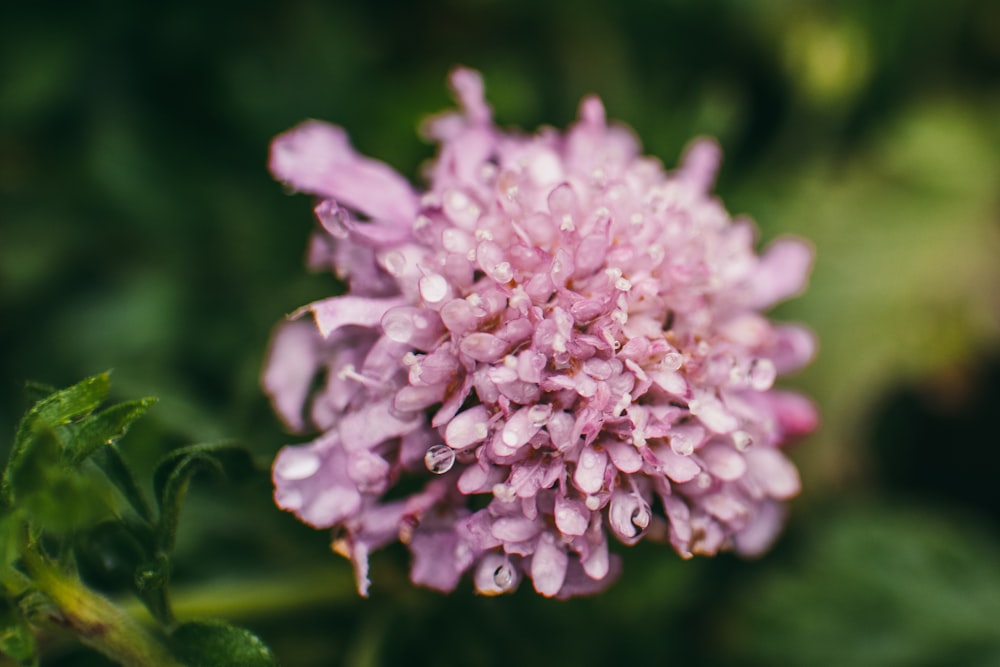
(109, 460)
(51, 496)
(17, 642)
(72, 402)
(105, 428)
(174, 473)
(37, 391)
(151, 580)
(218, 644)
(10, 539)
(49, 413)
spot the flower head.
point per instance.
(557, 332)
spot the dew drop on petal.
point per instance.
(433, 288)
(742, 440)
(297, 465)
(395, 263)
(539, 414)
(439, 459)
(762, 374)
(503, 576)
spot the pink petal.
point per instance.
(316, 157)
(483, 347)
(723, 461)
(467, 428)
(292, 362)
(339, 311)
(700, 164)
(761, 530)
(782, 273)
(572, 516)
(548, 566)
(678, 468)
(625, 456)
(773, 473)
(589, 475)
(515, 529)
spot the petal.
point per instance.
(572, 516)
(291, 364)
(467, 428)
(514, 529)
(589, 474)
(761, 530)
(773, 473)
(340, 311)
(680, 469)
(723, 461)
(495, 575)
(625, 457)
(579, 581)
(782, 272)
(438, 560)
(700, 164)
(483, 347)
(548, 566)
(316, 157)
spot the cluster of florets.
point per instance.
(557, 332)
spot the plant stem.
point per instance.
(95, 620)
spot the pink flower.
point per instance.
(556, 325)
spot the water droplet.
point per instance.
(761, 374)
(539, 414)
(673, 361)
(433, 288)
(704, 480)
(295, 464)
(502, 272)
(456, 199)
(593, 503)
(742, 440)
(504, 492)
(439, 459)
(588, 459)
(394, 262)
(503, 577)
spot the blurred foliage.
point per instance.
(140, 230)
(69, 503)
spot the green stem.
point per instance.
(95, 620)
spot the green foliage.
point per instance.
(174, 473)
(16, 639)
(219, 644)
(68, 491)
(879, 587)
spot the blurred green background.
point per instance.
(140, 231)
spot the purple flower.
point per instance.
(558, 332)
